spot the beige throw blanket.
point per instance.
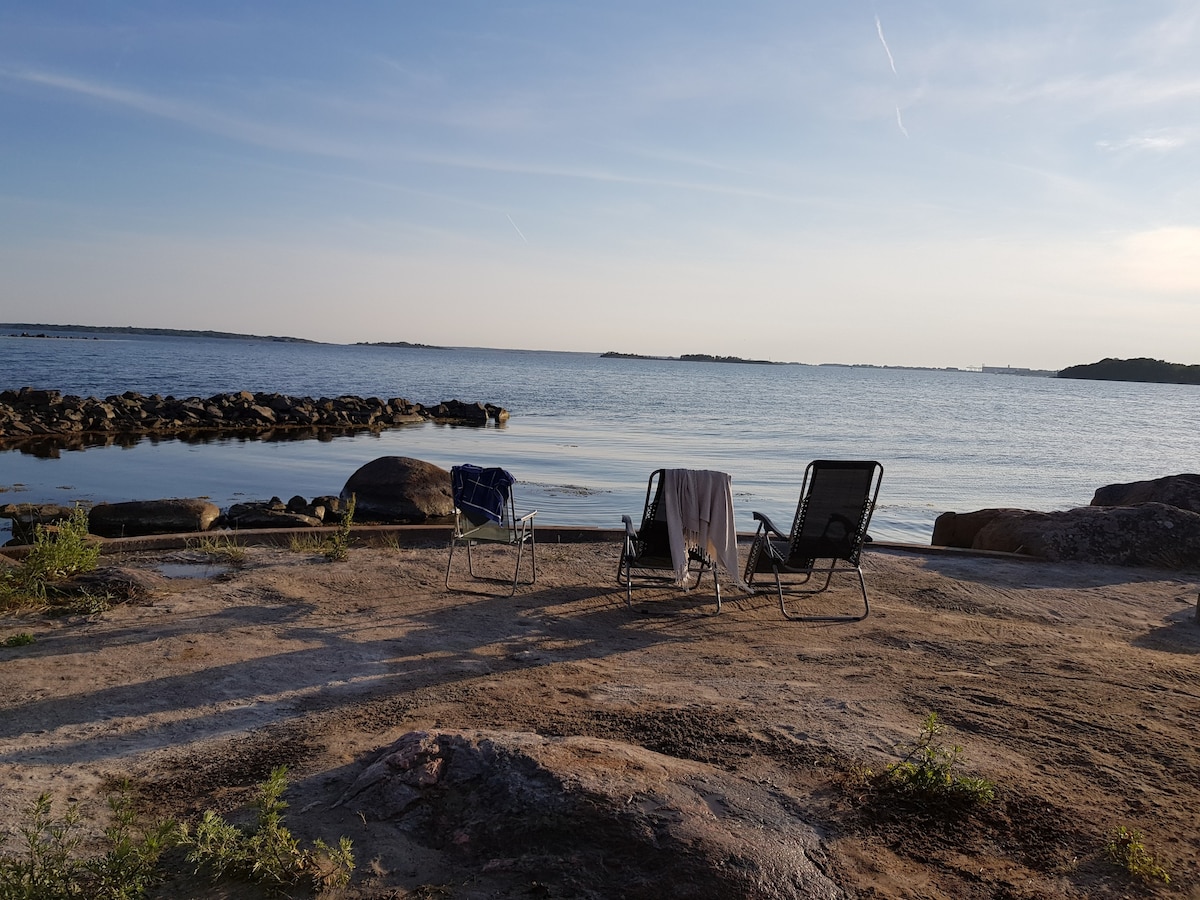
(699, 511)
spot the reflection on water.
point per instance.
(52, 446)
(192, 570)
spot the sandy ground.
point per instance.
(1075, 688)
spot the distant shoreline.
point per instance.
(1137, 370)
(27, 327)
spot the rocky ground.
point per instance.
(573, 747)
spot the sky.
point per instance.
(1001, 182)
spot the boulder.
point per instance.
(1182, 491)
(399, 490)
(1148, 534)
(139, 517)
(952, 529)
(656, 826)
(461, 413)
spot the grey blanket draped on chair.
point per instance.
(699, 512)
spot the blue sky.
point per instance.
(897, 183)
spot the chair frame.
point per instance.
(653, 568)
(511, 531)
(797, 554)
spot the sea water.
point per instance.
(585, 430)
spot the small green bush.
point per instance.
(58, 552)
(48, 868)
(266, 853)
(1126, 849)
(18, 640)
(929, 772)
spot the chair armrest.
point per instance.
(528, 517)
(765, 522)
(629, 532)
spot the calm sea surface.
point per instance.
(585, 432)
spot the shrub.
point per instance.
(58, 552)
(1125, 848)
(929, 772)
(267, 853)
(48, 868)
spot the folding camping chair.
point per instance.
(837, 499)
(485, 513)
(646, 556)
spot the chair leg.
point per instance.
(449, 562)
(862, 584)
(517, 571)
(532, 564)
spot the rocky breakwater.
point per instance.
(31, 413)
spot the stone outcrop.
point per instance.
(1148, 534)
(31, 413)
(141, 517)
(952, 529)
(399, 490)
(1182, 491)
(1144, 523)
(123, 583)
(657, 826)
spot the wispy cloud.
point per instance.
(883, 40)
(518, 230)
(192, 116)
(1150, 143)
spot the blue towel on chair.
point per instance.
(480, 493)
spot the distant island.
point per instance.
(693, 357)
(28, 330)
(396, 344)
(1154, 371)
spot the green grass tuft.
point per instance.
(1127, 850)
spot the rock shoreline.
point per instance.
(31, 413)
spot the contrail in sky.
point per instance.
(900, 122)
(882, 40)
(518, 230)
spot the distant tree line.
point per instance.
(1142, 369)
